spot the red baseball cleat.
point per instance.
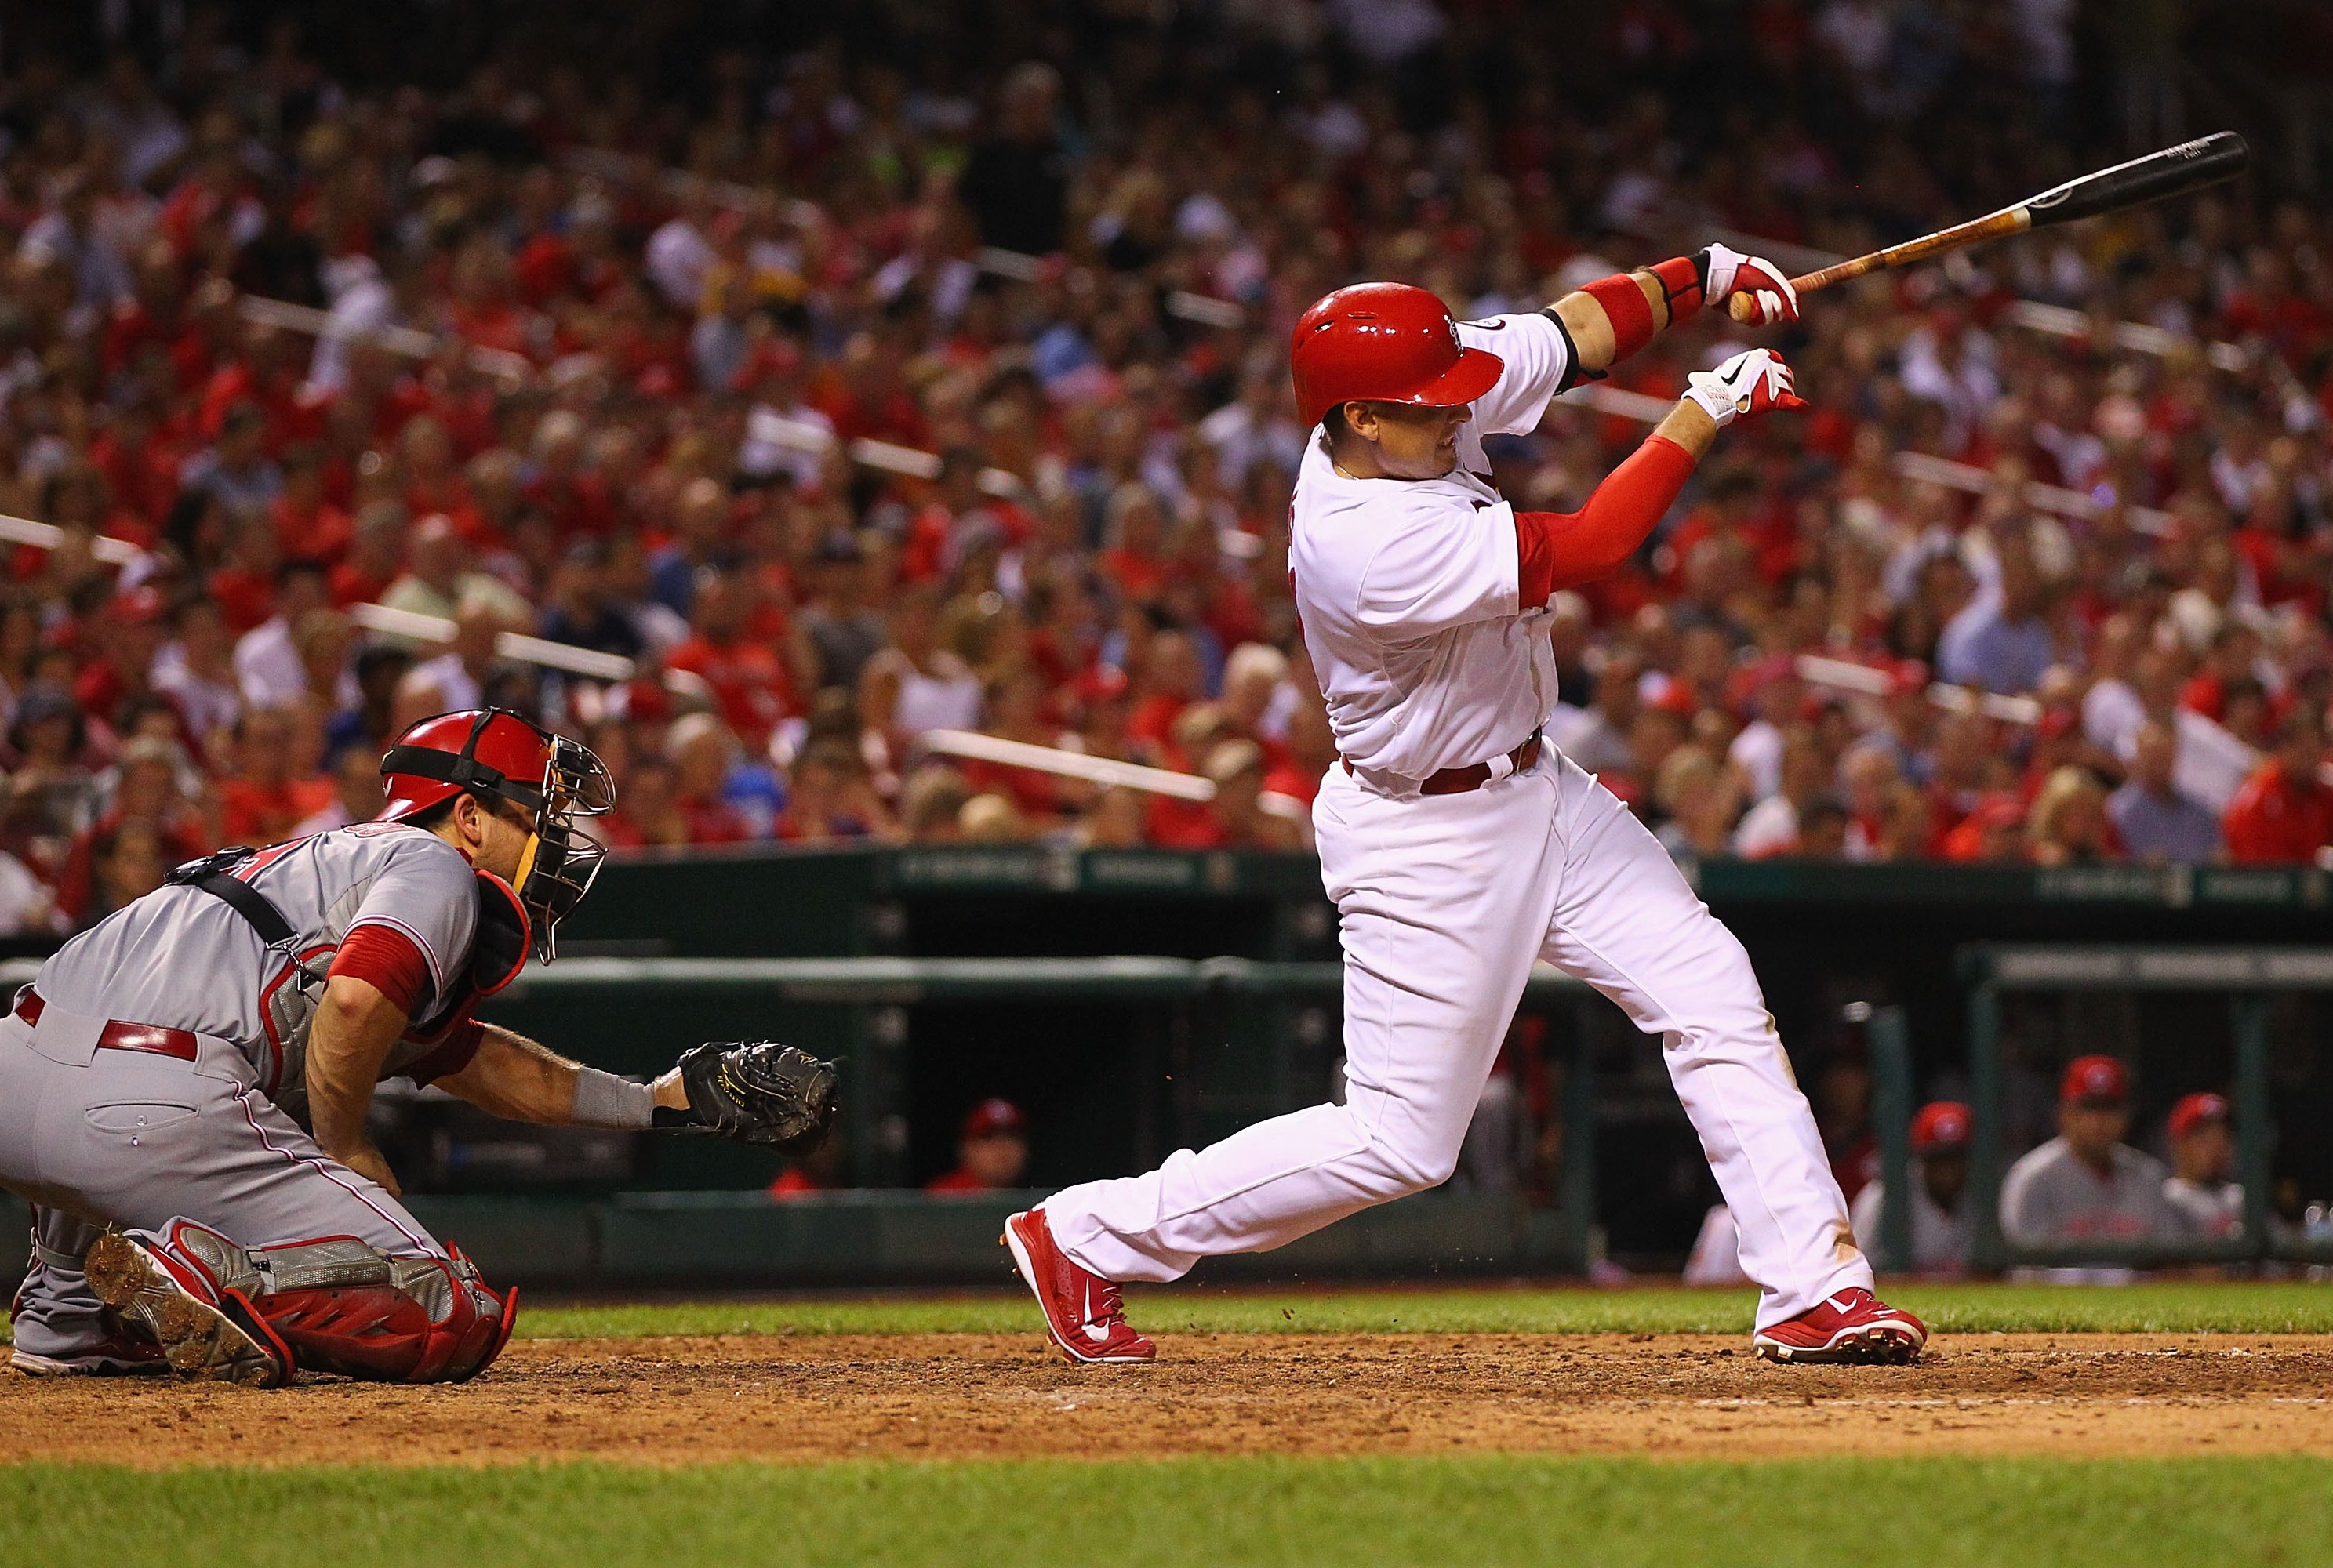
(1085, 1314)
(1848, 1325)
(203, 1334)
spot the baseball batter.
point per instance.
(196, 1071)
(1459, 846)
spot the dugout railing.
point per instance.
(2248, 977)
(870, 1006)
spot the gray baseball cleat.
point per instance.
(226, 1341)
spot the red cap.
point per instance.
(2095, 1080)
(994, 1117)
(2058, 722)
(1941, 1125)
(1384, 343)
(2194, 1110)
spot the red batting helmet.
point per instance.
(497, 755)
(1383, 343)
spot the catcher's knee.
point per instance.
(346, 1308)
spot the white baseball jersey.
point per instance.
(1409, 589)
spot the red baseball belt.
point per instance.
(1474, 775)
(118, 1036)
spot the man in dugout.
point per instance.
(2086, 1184)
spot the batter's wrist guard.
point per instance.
(1684, 283)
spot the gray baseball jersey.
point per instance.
(2215, 1209)
(1939, 1236)
(2050, 1197)
(182, 958)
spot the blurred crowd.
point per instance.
(931, 375)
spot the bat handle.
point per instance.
(1742, 307)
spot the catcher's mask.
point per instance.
(497, 755)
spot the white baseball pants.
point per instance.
(1445, 901)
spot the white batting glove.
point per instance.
(1726, 273)
(1754, 381)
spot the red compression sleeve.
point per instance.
(388, 960)
(1560, 550)
(1623, 299)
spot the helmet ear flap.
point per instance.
(505, 935)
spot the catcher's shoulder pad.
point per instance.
(759, 1092)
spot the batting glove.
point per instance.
(1726, 272)
(1754, 381)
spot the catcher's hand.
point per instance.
(756, 1092)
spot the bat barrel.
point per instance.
(2174, 171)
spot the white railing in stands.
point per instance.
(382, 618)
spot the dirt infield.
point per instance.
(968, 1396)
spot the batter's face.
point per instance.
(1402, 441)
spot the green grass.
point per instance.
(1222, 1512)
(2163, 1308)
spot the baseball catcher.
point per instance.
(183, 1088)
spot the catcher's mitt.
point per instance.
(756, 1092)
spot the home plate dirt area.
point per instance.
(807, 1398)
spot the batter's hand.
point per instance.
(1752, 382)
(1725, 272)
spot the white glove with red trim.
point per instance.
(1725, 272)
(1754, 381)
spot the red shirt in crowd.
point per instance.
(253, 813)
(2275, 819)
(747, 679)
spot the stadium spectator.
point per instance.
(1940, 1141)
(2284, 812)
(2203, 1163)
(2067, 823)
(992, 1151)
(2153, 820)
(2085, 1184)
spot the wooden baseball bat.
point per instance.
(2174, 171)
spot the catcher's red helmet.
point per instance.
(499, 755)
(1383, 343)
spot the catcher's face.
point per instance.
(1404, 441)
(496, 835)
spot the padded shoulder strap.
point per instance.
(251, 903)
